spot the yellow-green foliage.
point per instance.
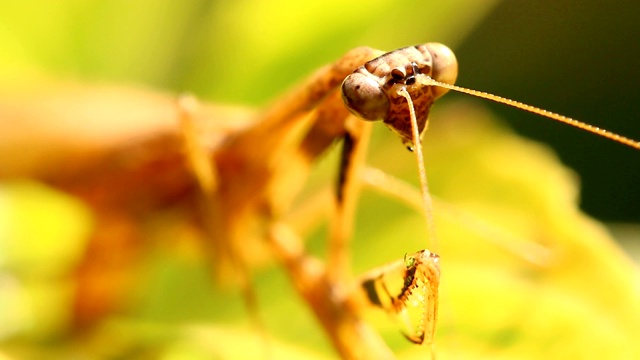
(524, 273)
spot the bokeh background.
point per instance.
(574, 57)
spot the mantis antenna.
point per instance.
(548, 114)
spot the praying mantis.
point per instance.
(398, 87)
(248, 179)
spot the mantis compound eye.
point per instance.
(364, 97)
(445, 66)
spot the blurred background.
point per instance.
(577, 58)
(572, 57)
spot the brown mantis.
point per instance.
(250, 178)
(329, 121)
(398, 87)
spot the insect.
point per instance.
(247, 180)
(329, 121)
(399, 88)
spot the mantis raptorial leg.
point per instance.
(206, 175)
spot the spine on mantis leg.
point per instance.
(408, 291)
